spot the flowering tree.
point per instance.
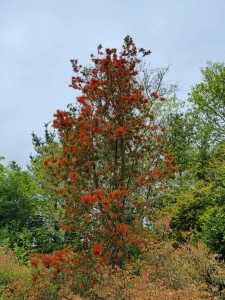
(112, 158)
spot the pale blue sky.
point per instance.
(38, 39)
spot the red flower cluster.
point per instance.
(97, 250)
(73, 176)
(154, 94)
(89, 199)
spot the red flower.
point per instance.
(81, 99)
(34, 262)
(115, 194)
(89, 198)
(157, 172)
(106, 202)
(60, 191)
(73, 176)
(97, 250)
(142, 180)
(111, 137)
(120, 130)
(87, 218)
(121, 228)
(154, 94)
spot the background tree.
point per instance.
(198, 198)
(49, 202)
(154, 79)
(18, 218)
(199, 207)
(208, 99)
(212, 220)
(23, 223)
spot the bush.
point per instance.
(14, 277)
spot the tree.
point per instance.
(49, 202)
(153, 79)
(180, 131)
(24, 225)
(200, 207)
(212, 220)
(112, 159)
(208, 98)
(18, 217)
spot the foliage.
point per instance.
(198, 202)
(188, 272)
(212, 221)
(180, 131)
(189, 206)
(49, 201)
(22, 223)
(15, 186)
(208, 99)
(17, 283)
(18, 218)
(200, 207)
(13, 276)
(213, 229)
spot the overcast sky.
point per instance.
(38, 39)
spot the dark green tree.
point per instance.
(23, 226)
(18, 216)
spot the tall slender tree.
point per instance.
(112, 158)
